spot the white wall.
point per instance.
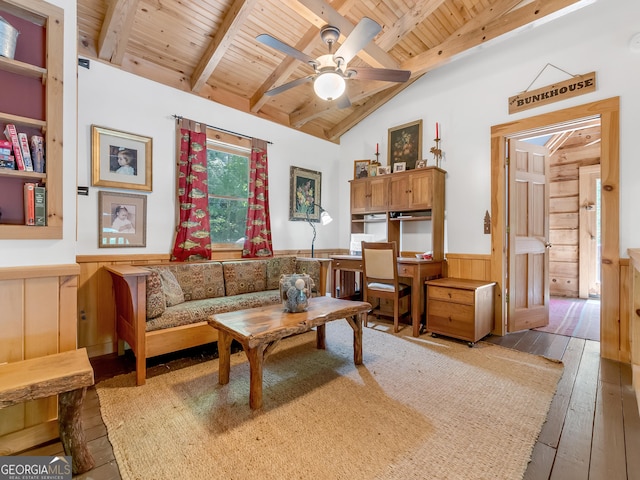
(470, 95)
(114, 99)
(52, 252)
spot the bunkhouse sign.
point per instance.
(578, 85)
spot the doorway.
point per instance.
(571, 230)
(608, 113)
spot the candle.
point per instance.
(377, 148)
(437, 130)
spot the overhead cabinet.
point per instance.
(369, 195)
(412, 195)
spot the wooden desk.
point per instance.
(418, 271)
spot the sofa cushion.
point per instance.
(244, 276)
(278, 266)
(199, 280)
(156, 301)
(170, 286)
(200, 310)
(312, 268)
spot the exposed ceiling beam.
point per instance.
(115, 30)
(233, 21)
(416, 15)
(368, 107)
(461, 42)
(507, 23)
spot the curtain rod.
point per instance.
(178, 117)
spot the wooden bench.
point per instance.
(66, 374)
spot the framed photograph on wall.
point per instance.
(122, 220)
(405, 144)
(304, 195)
(120, 159)
(361, 168)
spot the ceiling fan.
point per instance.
(330, 70)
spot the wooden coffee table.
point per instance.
(259, 330)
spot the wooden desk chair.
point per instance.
(380, 277)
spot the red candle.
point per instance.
(437, 130)
(377, 148)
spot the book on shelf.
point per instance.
(37, 153)
(40, 206)
(26, 154)
(12, 135)
(7, 161)
(5, 147)
(29, 204)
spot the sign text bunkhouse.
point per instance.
(578, 85)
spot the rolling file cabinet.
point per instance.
(460, 308)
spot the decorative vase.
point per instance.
(295, 290)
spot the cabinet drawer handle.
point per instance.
(449, 294)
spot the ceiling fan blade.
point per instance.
(286, 86)
(384, 74)
(362, 34)
(273, 42)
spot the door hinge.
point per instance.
(506, 161)
(506, 298)
(508, 230)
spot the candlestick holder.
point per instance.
(437, 153)
(376, 161)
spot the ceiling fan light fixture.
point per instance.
(329, 85)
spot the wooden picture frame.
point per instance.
(405, 144)
(421, 164)
(304, 195)
(399, 167)
(122, 220)
(373, 170)
(361, 168)
(120, 159)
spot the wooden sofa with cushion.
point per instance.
(164, 308)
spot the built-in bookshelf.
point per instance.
(33, 80)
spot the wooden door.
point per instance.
(589, 250)
(420, 189)
(378, 194)
(359, 196)
(528, 287)
(399, 191)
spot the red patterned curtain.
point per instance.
(257, 238)
(193, 240)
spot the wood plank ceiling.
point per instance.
(209, 47)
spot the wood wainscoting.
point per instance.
(96, 308)
(478, 267)
(39, 317)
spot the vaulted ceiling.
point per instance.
(209, 47)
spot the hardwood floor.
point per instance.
(592, 429)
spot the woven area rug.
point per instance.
(419, 408)
(574, 317)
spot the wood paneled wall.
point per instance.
(38, 308)
(564, 224)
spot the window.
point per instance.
(228, 172)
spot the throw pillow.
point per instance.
(156, 301)
(171, 288)
(244, 276)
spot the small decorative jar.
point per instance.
(295, 290)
